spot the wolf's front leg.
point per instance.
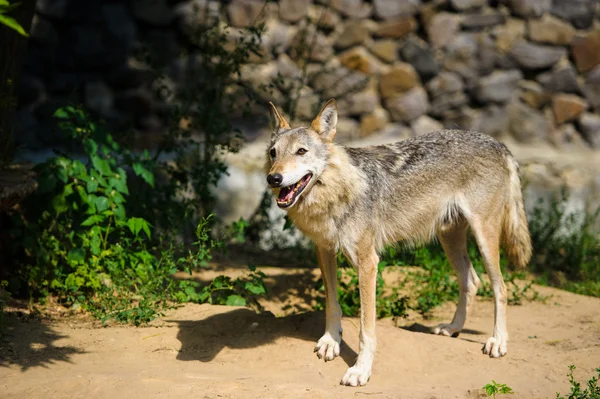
(328, 346)
(366, 265)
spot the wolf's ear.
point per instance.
(277, 121)
(326, 121)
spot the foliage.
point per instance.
(5, 8)
(492, 389)
(592, 391)
(566, 247)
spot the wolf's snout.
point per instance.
(274, 180)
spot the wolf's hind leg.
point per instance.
(328, 346)
(454, 242)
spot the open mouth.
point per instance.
(288, 195)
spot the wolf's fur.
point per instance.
(361, 199)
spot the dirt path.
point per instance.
(202, 351)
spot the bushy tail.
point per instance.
(515, 231)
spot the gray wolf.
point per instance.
(357, 200)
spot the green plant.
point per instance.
(592, 391)
(5, 8)
(492, 389)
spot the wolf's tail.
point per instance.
(515, 231)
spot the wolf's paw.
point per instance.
(495, 347)
(356, 376)
(328, 347)
(449, 330)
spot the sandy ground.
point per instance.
(203, 351)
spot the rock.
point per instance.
(567, 107)
(43, 31)
(589, 126)
(497, 87)
(31, 89)
(154, 12)
(550, 30)
(293, 10)
(529, 8)
(442, 103)
(354, 33)
(319, 46)
(308, 104)
(408, 106)
(135, 102)
(287, 68)
(359, 59)
(586, 51)
(591, 88)
(526, 124)
(364, 102)
(385, 49)
(566, 136)
(579, 12)
(347, 130)
(52, 8)
(326, 18)
(374, 121)
(338, 82)
(189, 14)
(445, 82)
(464, 118)
(470, 55)
(386, 9)
(536, 56)
(425, 124)
(120, 24)
(533, 94)
(442, 29)
(509, 33)
(418, 53)
(462, 5)
(483, 20)
(131, 75)
(243, 13)
(494, 121)
(278, 37)
(351, 8)
(400, 79)
(563, 79)
(396, 28)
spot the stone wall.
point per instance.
(529, 68)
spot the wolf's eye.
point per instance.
(301, 151)
(272, 152)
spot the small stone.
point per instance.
(578, 12)
(442, 103)
(566, 136)
(529, 8)
(400, 79)
(591, 88)
(308, 104)
(154, 12)
(386, 9)
(396, 28)
(586, 51)
(424, 124)
(243, 13)
(278, 37)
(52, 8)
(526, 124)
(351, 8)
(442, 29)
(495, 121)
(563, 80)
(374, 121)
(325, 18)
(320, 50)
(483, 20)
(43, 31)
(293, 10)
(464, 118)
(536, 56)
(408, 106)
(385, 49)
(338, 82)
(567, 107)
(287, 68)
(445, 82)
(509, 33)
(31, 89)
(497, 87)
(364, 102)
(347, 130)
(197, 12)
(354, 33)
(462, 5)
(589, 125)
(359, 59)
(550, 30)
(418, 53)
(533, 94)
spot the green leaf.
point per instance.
(61, 113)
(145, 174)
(101, 165)
(255, 289)
(138, 224)
(119, 181)
(92, 185)
(101, 203)
(90, 146)
(13, 24)
(94, 219)
(76, 255)
(235, 300)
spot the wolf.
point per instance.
(358, 200)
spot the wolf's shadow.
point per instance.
(242, 328)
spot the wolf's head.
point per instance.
(297, 156)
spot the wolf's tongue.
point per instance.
(286, 193)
